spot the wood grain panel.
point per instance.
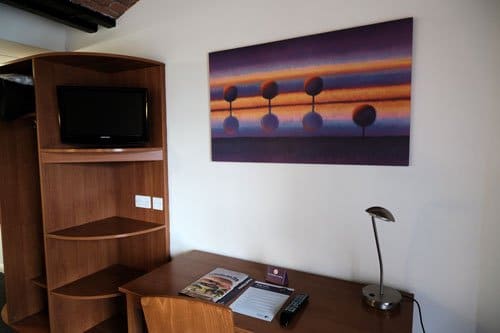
(144, 178)
(115, 324)
(144, 252)
(20, 216)
(68, 261)
(75, 194)
(182, 314)
(78, 316)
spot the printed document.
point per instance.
(261, 300)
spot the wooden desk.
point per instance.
(334, 305)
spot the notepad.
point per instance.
(261, 300)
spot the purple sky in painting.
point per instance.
(379, 41)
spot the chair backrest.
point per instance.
(173, 314)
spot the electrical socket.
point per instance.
(157, 203)
(143, 201)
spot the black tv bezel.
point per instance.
(101, 141)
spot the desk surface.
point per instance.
(334, 305)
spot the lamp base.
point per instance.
(389, 300)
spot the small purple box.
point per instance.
(277, 275)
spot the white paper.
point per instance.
(261, 300)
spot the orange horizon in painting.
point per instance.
(310, 71)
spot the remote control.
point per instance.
(297, 303)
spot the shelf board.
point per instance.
(100, 285)
(84, 155)
(115, 324)
(37, 323)
(109, 228)
(40, 281)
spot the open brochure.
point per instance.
(216, 286)
(261, 300)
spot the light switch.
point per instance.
(157, 203)
(143, 201)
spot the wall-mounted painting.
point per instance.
(340, 97)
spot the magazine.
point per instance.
(214, 286)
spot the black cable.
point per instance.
(419, 311)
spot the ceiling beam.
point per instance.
(65, 12)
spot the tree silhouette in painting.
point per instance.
(313, 121)
(270, 121)
(231, 123)
(364, 116)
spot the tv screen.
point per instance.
(103, 116)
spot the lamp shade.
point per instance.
(381, 213)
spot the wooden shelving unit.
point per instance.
(77, 230)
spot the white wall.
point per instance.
(489, 280)
(311, 217)
(26, 28)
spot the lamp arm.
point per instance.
(381, 266)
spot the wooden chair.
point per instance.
(174, 314)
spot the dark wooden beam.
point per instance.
(65, 12)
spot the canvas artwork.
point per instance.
(340, 97)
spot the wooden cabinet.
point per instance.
(71, 232)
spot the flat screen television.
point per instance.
(103, 116)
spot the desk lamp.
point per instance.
(376, 295)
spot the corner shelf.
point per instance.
(109, 228)
(100, 285)
(59, 237)
(83, 155)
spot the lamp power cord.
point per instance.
(419, 311)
